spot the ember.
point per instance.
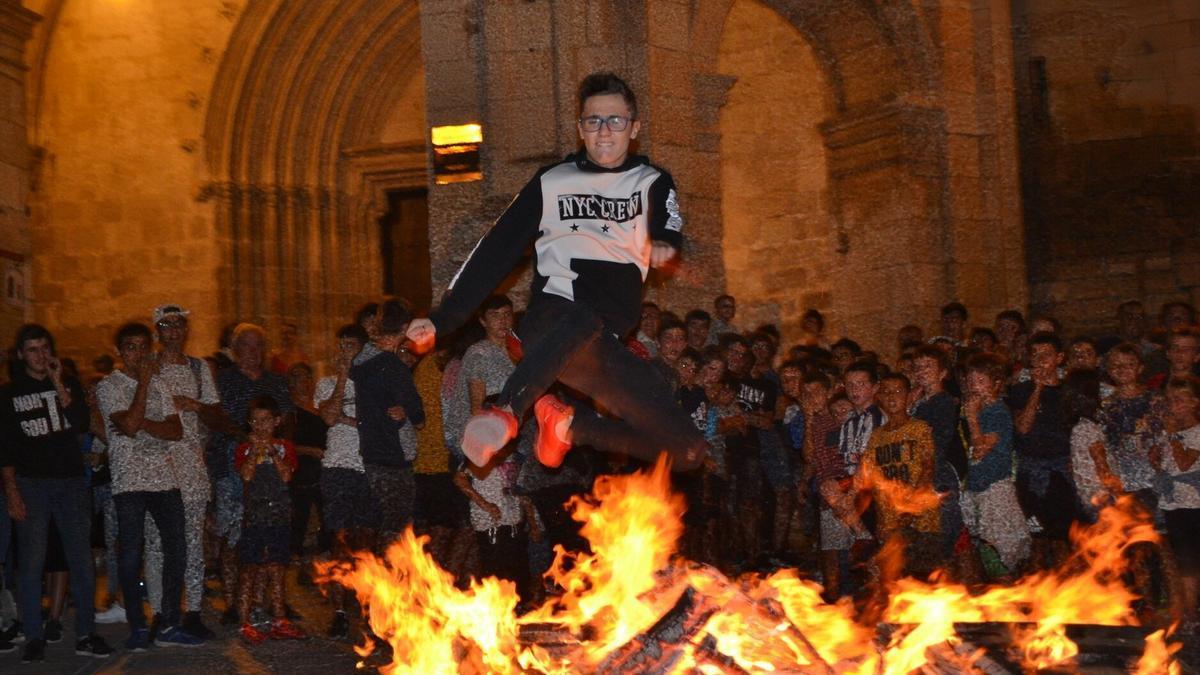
(629, 606)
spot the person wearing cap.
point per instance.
(189, 382)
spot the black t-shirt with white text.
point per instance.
(38, 437)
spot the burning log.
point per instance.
(659, 647)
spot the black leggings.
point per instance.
(566, 341)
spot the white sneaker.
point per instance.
(114, 614)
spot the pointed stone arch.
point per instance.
(299, 173)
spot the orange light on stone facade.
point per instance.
(456, 153)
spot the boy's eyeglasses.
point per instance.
(593, 123)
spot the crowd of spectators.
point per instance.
(974, 452)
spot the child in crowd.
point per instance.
(829, 476)
(897, 474)
(1133, 424)
(990, 508)
(1181, 503)
(503, 521)
(266, 465)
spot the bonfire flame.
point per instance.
(624, 588)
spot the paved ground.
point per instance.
(225, 654)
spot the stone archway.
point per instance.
(919, 147)
(773, 173)
(304, 144)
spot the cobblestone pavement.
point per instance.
(225, 654)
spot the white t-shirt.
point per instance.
(1186, 496)
(341, 441)
(138, 464)
(187, 454)
(497, 488)
(1083, 467)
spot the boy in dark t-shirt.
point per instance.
(266, 465)
(42, 413)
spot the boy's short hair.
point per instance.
(846, 343)
(728, 339)
(984, 331)
(817, 377)
(367, 311)
(840, 396)
(1054, 323)
(815, 315)
(1187, 382)
(1085, 340)
(864, 366)
(764, 337)
(393, 316)
(935, 353)
(712, 353)
(897, 377)
(1126, 348)
(299, 365)
(989, 365)
(647, 303)
(1013, 315)
(669, 324)
(955, 308)
(353, 331)
(1046, 338)
(691, 354)
(246, 328)
(33, 331)
(1187, 307)
(604, 82)
(264, 402)
(493, 302)
(717, 300)
(131, 329)
(698, 315)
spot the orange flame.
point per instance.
(1157, 657)
(613, 595)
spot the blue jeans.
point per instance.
(166, 508)
(68, 500)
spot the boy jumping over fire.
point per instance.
(598, 220)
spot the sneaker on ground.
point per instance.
(174, 636)
(554, 421)
(93, 646)
(486, 433)
(339, 628)
(7, 647)
(114, 614)
(35, 650)
(52, 632)
(194, 625)
(138, 641)
(284, 629)
(14, 633)
(252, 635)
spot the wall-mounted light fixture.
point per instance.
(456, 153)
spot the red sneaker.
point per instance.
(554, 424)
(252, 635)
(486, 433)
(283, 629)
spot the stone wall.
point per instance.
(16, 26)
(1110, 142)
(118, 109)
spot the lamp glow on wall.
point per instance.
(456, 153)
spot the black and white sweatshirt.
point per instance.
(593, 228)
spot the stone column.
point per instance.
(16, 26)
(887, 185)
